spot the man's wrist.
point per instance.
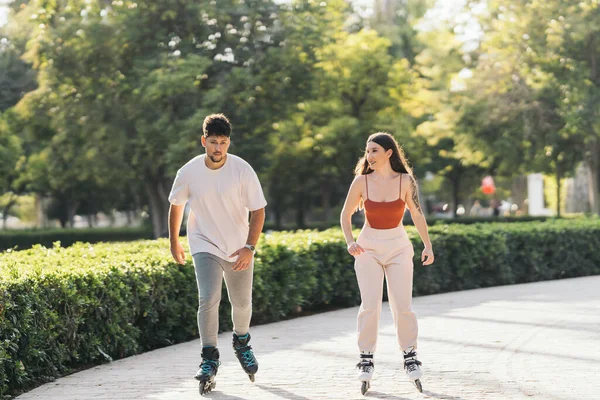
(250, 247)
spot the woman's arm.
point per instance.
(350, 206)
(412, 201)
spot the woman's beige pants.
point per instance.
(388, 252)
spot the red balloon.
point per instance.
(488, 189)
(487, 185)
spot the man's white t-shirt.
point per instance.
(220, 200)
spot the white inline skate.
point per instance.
(365, 371)
(413, 367)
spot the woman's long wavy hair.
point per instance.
(398, 160)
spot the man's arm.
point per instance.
(175, 219)
(244, 260)
(257, 222)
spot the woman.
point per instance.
(384, 186)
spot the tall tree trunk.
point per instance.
(278, 218)
(519, 193)
(11, 202)
(39, 212)
(72, 206)
(63, 210)
(593, 163)
(300, 217)
(593, 159)
(326, 199)
(63, 220)
(385, 11)
(455, 182)
(159, 207)
(558, 177)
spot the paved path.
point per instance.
(533, 341)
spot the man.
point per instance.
(221, 189)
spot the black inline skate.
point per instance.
(244, 353)
(208, 369)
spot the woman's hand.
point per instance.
(427, 256)
(355, 250)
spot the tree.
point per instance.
(16, 77)
(447, 148)
(10, 154)
(525, 89)
(128, 86)
(397, 20)
(548, 50)
(354, 76)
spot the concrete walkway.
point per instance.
(533, 341)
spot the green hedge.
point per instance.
(24, 239)
(63, 308)
(476, 220)
(324, 225)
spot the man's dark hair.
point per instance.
(216, 125)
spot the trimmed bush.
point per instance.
(324, 225)
(468, 220)
(64, 308)
(24, 239)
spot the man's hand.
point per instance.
(177, 252)
(244, 259)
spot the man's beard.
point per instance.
(216, 159)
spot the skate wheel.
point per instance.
(418, 385)
(364, 387)
(251, 376)
(206, 387)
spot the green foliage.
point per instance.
(16, 77)
(24, 207)
(531, 100)
(480, 255)
(61, 308)
(353, 91)
(465, 220)
(26, 238)
(122, 90)
(489, 220)
(10, 151)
